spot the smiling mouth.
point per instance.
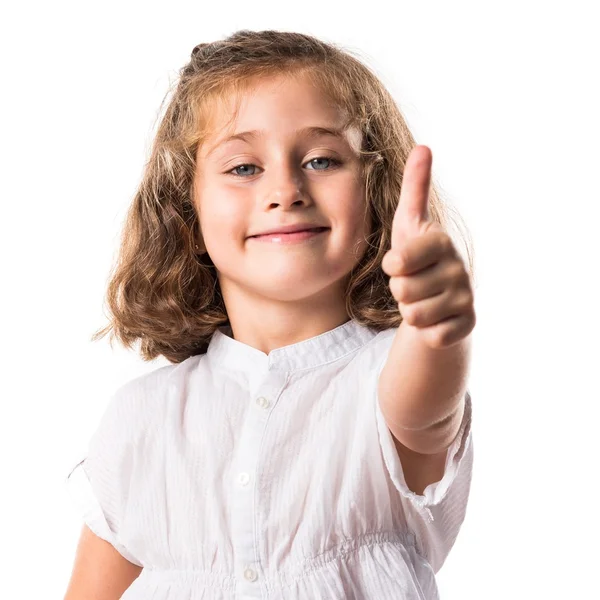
(291, 237)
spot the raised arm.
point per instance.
(423, 384)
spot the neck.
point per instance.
(267, 324)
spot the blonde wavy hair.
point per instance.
(166, 295)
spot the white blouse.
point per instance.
(237, 474)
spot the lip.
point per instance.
(290, 234)
(294, 228)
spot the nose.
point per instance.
(285, 190)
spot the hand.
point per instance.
(428, 278)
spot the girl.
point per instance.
(312, 436)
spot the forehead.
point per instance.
(276, 106)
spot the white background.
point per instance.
(506, 96)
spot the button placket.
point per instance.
(246, 469)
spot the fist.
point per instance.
(428, 277)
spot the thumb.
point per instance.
(412, 211)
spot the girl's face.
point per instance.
(279, 171)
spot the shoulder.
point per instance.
(140, 403)
(154, 383)
(378, 347)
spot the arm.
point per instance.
(421, 395)
(99, 572)
(422, 390)
(423, 383)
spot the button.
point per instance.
(250, 574)
(262, 402)
(244, 478)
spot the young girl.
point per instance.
(312, 436)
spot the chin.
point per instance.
(292, 286)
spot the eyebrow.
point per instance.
(307, 132)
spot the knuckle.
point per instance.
(401, 260)
(402, 257)
(412, 315)
(458, 271)
(392, 262)
(457, 276)
(445, 336)
(473, 321)
(466, 299)
(445, 242)
(398, 289)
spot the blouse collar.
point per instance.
(319, 350)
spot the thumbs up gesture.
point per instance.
(428, 278)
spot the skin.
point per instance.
(275, 294)
(100, 572)
(279, 294)
(424, 381)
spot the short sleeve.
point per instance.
(436, 516)
(98, 485)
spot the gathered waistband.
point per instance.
(226, 580)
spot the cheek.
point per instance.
(356, 219)
(351, 209)
(221, 216)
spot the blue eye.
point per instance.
(239, 167)
(329, 159)
(326, 158)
